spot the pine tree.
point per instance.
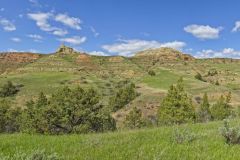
(4, 106)
(204, 114)
(134, 119)
(222, 109)
(176, 107)
(122, 97)
(9, 117)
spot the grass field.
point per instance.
(142, 144)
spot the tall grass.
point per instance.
(142, 144)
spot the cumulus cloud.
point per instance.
(16, 39)
(68, 21)
(42, 21)
(75, 40)
(98, 53)
(236, 27)
(7, 25)
(226, 52)
(203, 32)
(129, 47)
(60, 32)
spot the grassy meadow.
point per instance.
(144, 144)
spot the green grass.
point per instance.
(142, 144)
(34, 83)
(163, 79)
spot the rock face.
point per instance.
(18, 57)
(64, 50)
(10, 61)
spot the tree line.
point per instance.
(79, 110)
(177, 107)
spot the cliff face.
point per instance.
(23, 57)
(10, 61)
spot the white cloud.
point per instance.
(42, 21)
(7, 25)
(129, 47)
(175, 44)
(33, 51)
(226, 52)
(203, 32)
(12, 50)
(16, 39)
(75, 40)
(29, 50)
(60, 32)
(236, 27)
(95, 33)
(35, 37)
(98, 53)
(68, 21)
(2, 9)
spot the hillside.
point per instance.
(141, 144)
(49, 72)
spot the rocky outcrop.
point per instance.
(64, 50)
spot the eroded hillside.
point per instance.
(46, 73)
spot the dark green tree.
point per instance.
(68, 111)
(204, 114)
(199, 76)
(33, 117)
(8, 90)
(222, 109)
(122, 97)
(4, 106)
(9, 117)
(176, 107)
(151, 73)
(134, 119)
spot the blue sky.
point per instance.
(203, 28)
